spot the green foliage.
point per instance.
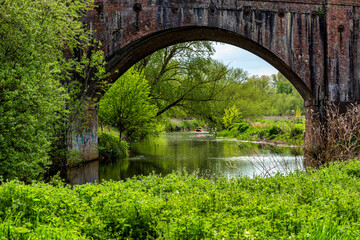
(257, 96)
(126, 106)
(284, 104)
(284, 87)
(232, 115)
(188, 124)
(274, 131)
(298, 112)
(286, 99)
(184, 79)
(111, 147)
(288, 131)
(251, 96)
(320, 204)
(34, 36)
(186, 82)
(297, 131)
(175, 125)
(240, 127)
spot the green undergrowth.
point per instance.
(111, 147)
(176, 125)
(320, 204)
(285, 131)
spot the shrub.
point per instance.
(274, 130)
(261, 129)
(185, 124)
(231, 115)
(263, 133)
(241, 127)
(296, 131)
(111, 147)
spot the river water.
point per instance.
(193, 152)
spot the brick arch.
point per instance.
(127, 56)
(314, 43)
(290, 35)
(317, 39)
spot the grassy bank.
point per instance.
(110, 145)
(281, 130)
(321, 204)
(176, 125)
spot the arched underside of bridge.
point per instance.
(314, 43)
(122, 60)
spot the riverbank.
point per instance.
(280, 131)
(322, 204)
(110, 145)
(177, 125)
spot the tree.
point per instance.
(34, 35)
(284, 87)
(126, 105)
(276, 79)
(183, 76)
(251, 96)
(286, 98)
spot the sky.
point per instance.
(239, 58)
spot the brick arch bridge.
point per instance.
(314, 43)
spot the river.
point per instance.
(193, 152)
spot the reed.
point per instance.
(335, 136)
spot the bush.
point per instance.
(240, 127)
(296, 131)
(111, 147)
(262, 133)
(231, 115)
(274, 131)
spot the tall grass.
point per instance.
(333, 137)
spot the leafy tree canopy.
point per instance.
(126, 105)
(34, 35)
(183, 75)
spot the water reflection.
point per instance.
(193, 152)
(200, 152)
(88, 173)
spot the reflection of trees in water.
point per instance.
(297, 151)
(88, 173)
(190, 152)
(248, 148)
(289, 151)
(184, 152)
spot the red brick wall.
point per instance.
(312, 42)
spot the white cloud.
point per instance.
(240, 58)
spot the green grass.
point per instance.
(323, 204)
(284, 131)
